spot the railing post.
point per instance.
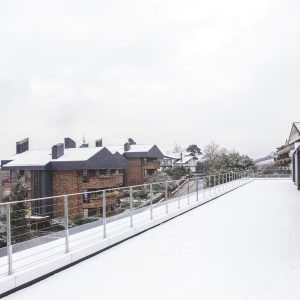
(204, 188)
(8, 239)
(104, 213)
(209, 185)
(197, 189)
(215, 187)
(151, 202)
(188, 191)
(131, 210)
(66, 221)
(219, 183)
(178, 198)
(166, 196)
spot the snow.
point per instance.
(78, 154)
(30, 158)
(140, 148)
(266, 162)
(244, 245)
(115, 148)
(186, 159)
(297, 124)
(133, 148)
(43, 157)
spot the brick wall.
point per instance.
(70, 182)
(135, 173)
(67, 182)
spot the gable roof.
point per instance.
(297, 125)
(73, 159)
(138, 151)
(32, 158)
(295, 133)
(186, 159)
(143, 151)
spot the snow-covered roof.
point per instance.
(186, 159)
(140, 148)
(265, 162)
(38, 159)
(78, 154)
(115, 148)
(137, 150)
(133, 148)
(297, 125)
(30, 158)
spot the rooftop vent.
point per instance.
(69, 143)
(131, 141)
(99, 143)
(84, 146)
(58, 150)
(22, 146)
(126, 147)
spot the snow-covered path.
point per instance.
(243, 245)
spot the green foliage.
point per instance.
(112, 194)
(194, 150)
(20, 223)
(142, 194)
(177, 173)
(231, 162)
(159, 177)
(80, 220)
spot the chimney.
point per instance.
(22, 146)
(58, 151)
(99, 143)
(126, 147)
(69, 143)
(181, 156)
(131, 141)
(84, 146)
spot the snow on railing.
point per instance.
(35, 230)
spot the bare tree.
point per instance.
(211, 152)
(177, 148)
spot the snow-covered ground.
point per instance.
(243, 245)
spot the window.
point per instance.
(145, 161)
(85, 197)
(101, 172)
(92, 212)
(85, 178)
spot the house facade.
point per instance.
(283, 153)
(296, 166)
(143, 161)
(86, 170)
(179, 160)
(63, 170)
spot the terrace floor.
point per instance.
(243, 245)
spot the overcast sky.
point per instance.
(161, 72)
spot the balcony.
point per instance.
(105, 181)
(152, 165)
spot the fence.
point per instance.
(36, 230)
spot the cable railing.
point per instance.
(68, 222)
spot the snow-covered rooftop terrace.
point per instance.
(243, 245)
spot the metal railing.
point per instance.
(67, 222)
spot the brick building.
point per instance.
(144, 161)
(66, 169)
